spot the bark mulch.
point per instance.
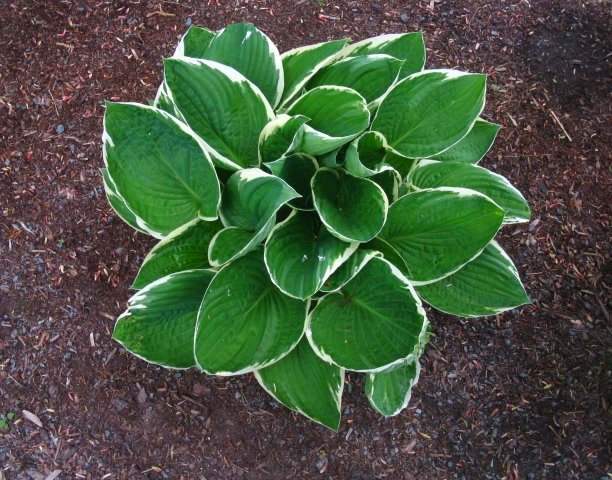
(524, 395)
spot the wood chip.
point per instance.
(31, 417)
(54, 474)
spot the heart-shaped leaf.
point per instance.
(163, 101)
(245, 322)
(401, 165)
(487, 285)
(438, 231)
(349, 269)
(281, 137)
(248, 50)
(159, 323)
(234, 242)
(365, 156)
(297, 170)
(183, 249)
(408, 47)
(353, 209)
(376, 320)
(300, 255)
(194, 43)
(300, 64)
(337, 115)
(251, 197)
(369, 75)
(224, 108)
(118, 203)
(428, 112)
(497, 188)
(472, 147)
(389, 392)
(389, 180)
(303, 382)
(159, 167)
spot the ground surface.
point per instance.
(524, 395)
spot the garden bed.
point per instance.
(521, 395)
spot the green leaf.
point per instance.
(303, 382)
(300, 255)
(195, 42)
(389, 180)
(409, 47)
(251, 197)
(118, 203)
(349, 269)
(281, 137)
(332, 159)
(488, 285)
(245, 322)
(160, 168)
(389, 392)
(497, 188)
(159, 324)
(388, 252)
(428, 112)
(248, 50)
(337, 115)
(233, 242)
(300, 64)
(401, 165)
(373, 322)
(472, 147)
(353, 209)
(438, 231)
(366, 154)
(183, 249)
(224, 108)
(369, 75)
(297, 171)
(164, 102)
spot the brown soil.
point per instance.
(523, 395)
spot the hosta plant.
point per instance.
(305, 205)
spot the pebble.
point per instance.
(404, 18)
(321, 463)
(59, 129)
(142, 395)
(119, 404)
(377, 7)
(200, 390)
(188, 22)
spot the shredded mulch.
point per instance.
(524, 395)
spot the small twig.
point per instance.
(603, 308)
(195, 402)
(16, 381)
(561, 125)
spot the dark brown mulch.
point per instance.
(523, 395)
